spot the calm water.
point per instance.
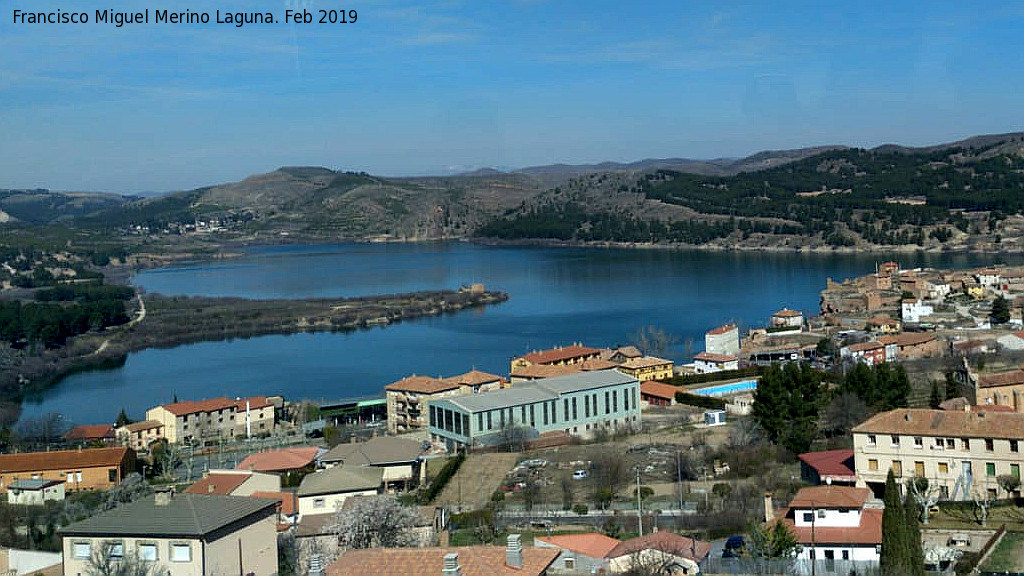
(558, 296)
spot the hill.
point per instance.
(46, 207)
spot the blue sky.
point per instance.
(424, 87)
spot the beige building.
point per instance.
(567, 355)
(139, 436)
(959, 452)
(647, 368)
(215, 418)
(408, 398)
(180, 535)
(325, 492)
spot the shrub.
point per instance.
(580, 509)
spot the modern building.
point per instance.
(408, 398)
(707, 363)
(139, 436)
(576, 404)
(839, 527)
(961, 453)
(325, 491)
(512, 560)
(355, 411)
(723, 340)
(82, 469)
(180, 535)
(579, 553)
(35, 492)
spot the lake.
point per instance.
(557, 296)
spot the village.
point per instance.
(777, 449)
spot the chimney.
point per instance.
(514, 552)
(769, 509)
(211, 488)
(316, 565)
(444, 538)
(451, 565)
(164, 496)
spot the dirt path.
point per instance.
(478, 477)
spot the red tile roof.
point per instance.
(421, 385)
(593, 364)
(722, 329)
(560, 354)
(865, 346)
(287, 500)
(659, 389)
(255, 403)
(669, 542)
(835, 464)
(474, 561)
(592, 544)
(196, 406)
(222, 484)
(710, 357)
(908, 339)
(826, 496)
(787, 313)
(62, 459)
(545, 370)
(474, 378)
(946, 423)
(280, 460)
(90, 432)
(867, 534)
(1010, 378)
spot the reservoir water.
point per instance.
(557, 296)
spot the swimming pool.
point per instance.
(726, 389)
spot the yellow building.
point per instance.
(647, 368)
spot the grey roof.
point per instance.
(34, 484)
(186, 515)
(340, 479)
(375, 451)
(539, 390)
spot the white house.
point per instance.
(989, 278)
(723, 340)
(325, 492)
(35, 491)
(838, 525)
(787, 318)
(913, 310)
(707, 362)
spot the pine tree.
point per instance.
(1000, 311)
(936, 396)
(122, 419)
(894, 557)
(912, 537)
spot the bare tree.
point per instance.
(512, 437)
(1009, 483)
(843, 413)
(129, 490)
(376, 521)
(110, 559)
(925, 496)
(653, 341)
(983, 502)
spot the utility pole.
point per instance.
(639, 511)
(814, 551)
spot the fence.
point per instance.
(757, 566)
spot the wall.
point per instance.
(332, 502)
(255, 546)
(76, 566)
(97, 478)
(832, 518)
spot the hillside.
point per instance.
(46, 207)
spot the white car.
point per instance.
(579, 474)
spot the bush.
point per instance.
(446, 473)
(580, 509)
(713, 377)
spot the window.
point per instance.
(82, 550)
(990, 468)
(894, 440)
(607, 404)
(71, 477)
(480, 421)
(1013, 446)
(938, 444)
(574, 416)
(147, 552)
(78, 476)
(112, 475)
(943, 468)
(533, 417)
(989, 445)
(570, 563)
(554, 411)
(116, 550)
(966, 443)
(1015, 471)
(808, 517)
(586, 406)
(897, 468)
(919, 469)
(918, 442)
(615, 401)
(873, 465)
(465, 424)
(846, 554)
(950, 443)
(565, 406)
(181, 553)
(319, 503)
(544, 409)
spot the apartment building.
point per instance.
(407, 399)
(214, 418)
(960, 452)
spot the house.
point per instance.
(235, 483)
(579, 553)
(478, 381)
(658, 393)
(561, 356)
(970, 347)
(706, 363)
(646, 368)
(37, 492)
(828, 466)
(140, 436)
(197, 420)
(30, 562)
(256, 415)
(287, 506)
(512, 560)
(399, 458)
(959, 452)
(912, 310)
(181, 534)
(1004, 388)
(577, 404)
(301, 459)
(838, 525)
(723, 340)
(989, 278)
(914, 345)
(883, 325)
(325, 491)
(661, 547)
(1013, 342)
(91, 434)
(786, 320)
(82, 469)
(869, 353)
(973, 289)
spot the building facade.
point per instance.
(139, 436)
(723, 340)
(82, 469)
(576, 404)
(961, 453)
(196, 420)
(707, 363)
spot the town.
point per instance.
(890, 420)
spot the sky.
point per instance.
(416, 88)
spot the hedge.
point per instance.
(700, 401)
(447, 471)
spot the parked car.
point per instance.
(580, 474)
